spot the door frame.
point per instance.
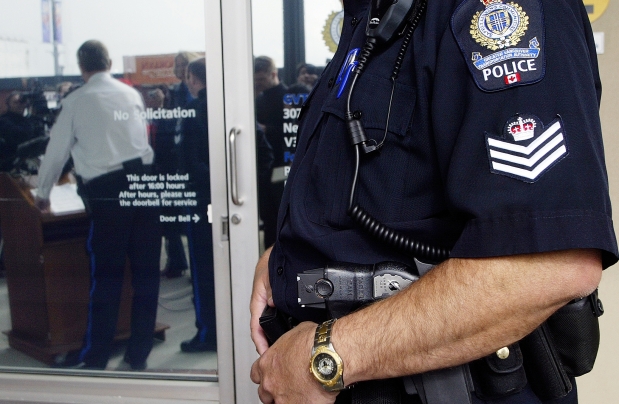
(237, 51)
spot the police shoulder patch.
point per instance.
(527, 149)
(502, 41)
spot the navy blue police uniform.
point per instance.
(493, 146)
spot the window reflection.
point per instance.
(287, 65)
(48, 292)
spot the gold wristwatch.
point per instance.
(326, 365)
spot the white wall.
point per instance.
(600, 386)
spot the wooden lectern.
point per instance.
(47, 274)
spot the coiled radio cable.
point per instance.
(363, 144)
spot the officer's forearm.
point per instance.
(460, 311)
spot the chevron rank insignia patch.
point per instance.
(527, 149)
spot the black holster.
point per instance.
(86, 189)
(82, 191)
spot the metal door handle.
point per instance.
(234, 183)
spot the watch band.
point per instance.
(326, 365)
(323, 333)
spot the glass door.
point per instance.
(141, 127)
(153, 46)
(273, 53)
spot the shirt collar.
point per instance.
(353, 7)
(99, 76)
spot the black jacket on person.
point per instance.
(194, 148)
(14, 130)
(269, 107)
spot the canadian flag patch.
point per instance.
(512, 78)
(528, 149)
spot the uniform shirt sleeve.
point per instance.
(517, 210)
(58, 150)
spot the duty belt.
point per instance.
(342, 288)
(563, 347)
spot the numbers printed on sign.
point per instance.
(291, 113)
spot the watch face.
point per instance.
(326, 366)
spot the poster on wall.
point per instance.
(595, 8)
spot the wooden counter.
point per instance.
(47, 274)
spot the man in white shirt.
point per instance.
(102, 128)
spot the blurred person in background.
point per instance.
(105, 152)
(195, 162)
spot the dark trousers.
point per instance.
(175, 250)
(117, 233)
(200, 242)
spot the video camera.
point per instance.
(41, 116)
(31, 131)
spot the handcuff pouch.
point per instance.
(494, 377)
(83, 193)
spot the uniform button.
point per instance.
(503, 353)
(330, 83)
(280, 271)
(354, 21)
(600, 307)
(357, 114)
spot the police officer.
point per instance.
(106, 149)
(485, 151)
(167, 161)
(195, 163)
(270, 109)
